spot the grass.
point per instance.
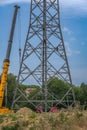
(2, 117)
(62, 120)
(32, 115)
(15, 127)
(12, 116)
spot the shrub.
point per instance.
(1, 118)
(15, 127)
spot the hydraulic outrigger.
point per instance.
(6, 63)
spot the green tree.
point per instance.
(77, 92)
(83, 94)
(11, 84)
(55, 86)
(58, 87)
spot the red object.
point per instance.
(54, 109)
(39, 109)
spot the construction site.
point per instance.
(44, 97)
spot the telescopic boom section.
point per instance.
(11, 34)
(7, 59)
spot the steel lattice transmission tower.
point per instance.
(44, 56)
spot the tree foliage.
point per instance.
(55, 86)
(11, 84)
(83, 94)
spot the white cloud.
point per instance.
(74, 3)
(2, 2)
(66, 30)
(68, 49)
(76, 6)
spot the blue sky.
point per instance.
(74, 27)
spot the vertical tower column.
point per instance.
(44, 56)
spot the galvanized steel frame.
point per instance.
(45, 26)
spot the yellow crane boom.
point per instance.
(6, 63)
